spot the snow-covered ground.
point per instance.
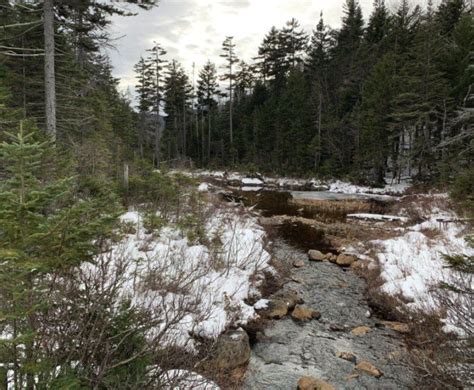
(193, 288)
(337, 186)
(412, 264)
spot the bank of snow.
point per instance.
(412, 264)
(193, 288)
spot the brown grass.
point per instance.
(428, 346)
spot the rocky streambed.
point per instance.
(321, 333)
(337, 342)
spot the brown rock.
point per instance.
(315, 255)
(328, 256)
(333, 258)
(301, 313)
(361, 330)
(310, 383)
(345, 260)
(397, 326)
(232, 349)
(298, 263)
(349, 356)
(290, 297)
(277, 308)
(369, 369)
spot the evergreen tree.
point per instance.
(46, 230)
(374, 120)
(378, 26)
(293, 41)
(228, 48)
(177, 94)
(206, 93)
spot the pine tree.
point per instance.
(206, 93)
(378, 26)
(293, 42)
(318, 62)
(374, 120)
(177, 94)
(228, 48)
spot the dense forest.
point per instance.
(389, 96)
(384, 98)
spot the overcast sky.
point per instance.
(193, 30)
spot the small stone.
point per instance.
(349, 356)
(311, 383)
(361, 330)
(297, 280)
(328, 256)
(345, 260)
(333, 258)
(369, 369)
(301, 313)
(368, 314)
(298, 263)
(351, 377)
(397, 326)
(315, 255)
(336, 328)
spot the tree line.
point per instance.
(387, 97)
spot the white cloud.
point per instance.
(192, 31)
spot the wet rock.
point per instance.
(277, 308)
(301, 313)
(290, 297)
(345, 260)
(369, 368)
(298, 263)
(336, 328)
(361, 330)
(310, 383)
(232, 349)
(397, 326)
(315, 255)
(349, 356)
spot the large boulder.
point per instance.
(315, 255)
(232, 349)
(311, 383)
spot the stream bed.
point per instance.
(287, 350)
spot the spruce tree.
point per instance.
(207, 92)
(230, 57)
(46, 230)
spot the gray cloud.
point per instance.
(192, 31)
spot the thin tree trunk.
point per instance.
(49, 75)
(209, 137)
